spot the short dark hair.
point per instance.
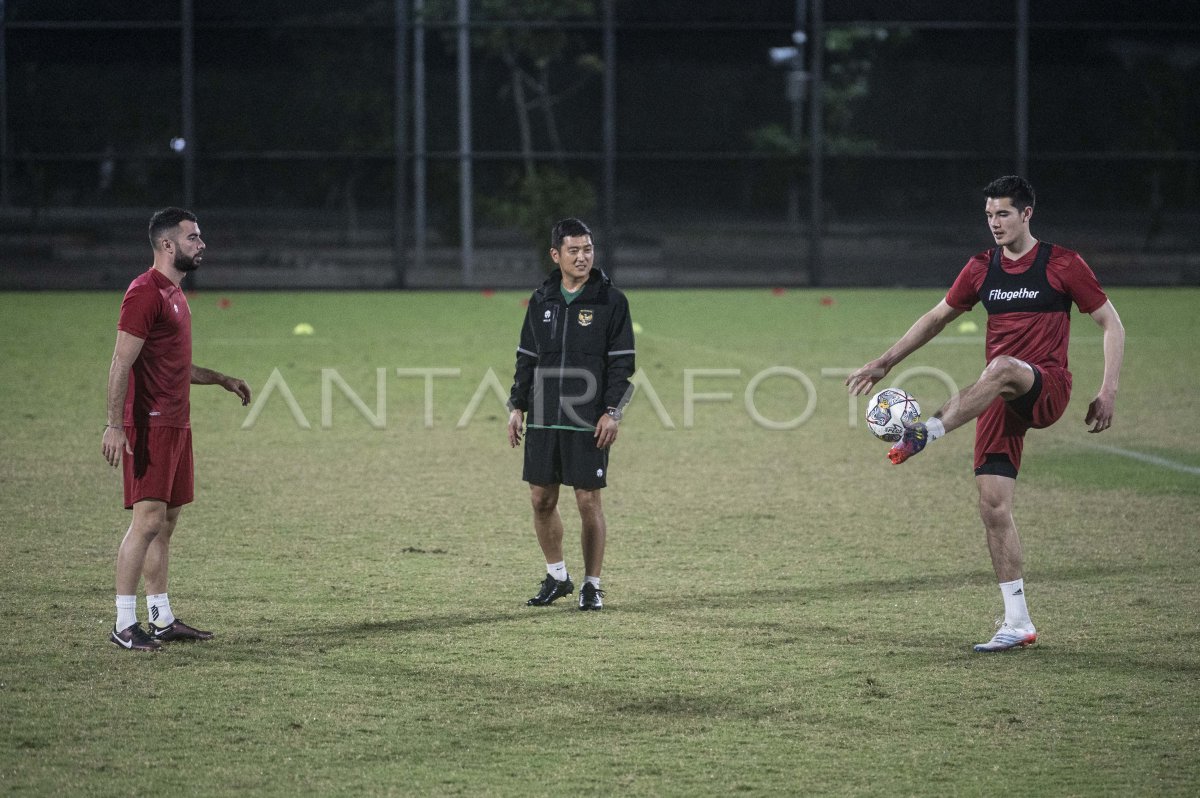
(567, 227)
(167, 219)
(1012, 187)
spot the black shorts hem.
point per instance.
(601, 486)
(564, 457)
(1023, 404)
(997, 464)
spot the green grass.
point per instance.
(786, 612)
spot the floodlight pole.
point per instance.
(797, 80)
(188, 101)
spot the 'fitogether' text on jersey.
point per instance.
(1028, 300)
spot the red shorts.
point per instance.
(161, 465)
(1000, 431)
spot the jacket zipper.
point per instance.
(563, 360)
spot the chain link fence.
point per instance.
(363, 145)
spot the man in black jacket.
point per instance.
(572, 378)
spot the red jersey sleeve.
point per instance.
(1073, 277)
(139, 310)
(964, 294)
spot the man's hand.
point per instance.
(1100, 412)
(606, 431)
(1103, 407)
(235, 385)
(114, 444)
(862, 381)
(516, 420)
(922, 332)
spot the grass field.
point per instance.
(786, 613)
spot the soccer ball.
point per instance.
(888, 412)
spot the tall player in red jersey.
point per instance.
(1027, 287)
(148, 428)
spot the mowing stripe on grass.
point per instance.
(1152, 459)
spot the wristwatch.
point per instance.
(614, 413)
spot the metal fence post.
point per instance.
(465, 181)
(5, 198)
(817, 144)
(1021, 112)
(188, 100)
(610, 135)
(420, 154)
(400, 142)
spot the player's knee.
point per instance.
(588, 500)
(543, 501)
(1004, 370)
(1001, 366)
(151, 525)
(170, 520)
(994, 509)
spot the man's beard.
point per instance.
(185, 264)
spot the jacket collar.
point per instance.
(552, 286)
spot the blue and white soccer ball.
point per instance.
(888, 412)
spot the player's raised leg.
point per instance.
(1004, 544)
(1004, 377)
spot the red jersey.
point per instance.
(155, 310)
(1028, 300)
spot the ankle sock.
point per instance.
(1016, 613)
(158, 609)
(126, 612)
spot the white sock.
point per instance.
(594, 581)
(158, 610)
(1016, 614)
(935, 429)
(558, 570)
(126, 612)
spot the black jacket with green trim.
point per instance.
(574, 361)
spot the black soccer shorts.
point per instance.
(564, 457)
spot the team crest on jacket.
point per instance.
(585, 318)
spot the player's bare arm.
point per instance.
(516, 421)
(922, 332)
(203, 376)
(1103, 407)
(114, 444)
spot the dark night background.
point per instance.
(294, 111)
